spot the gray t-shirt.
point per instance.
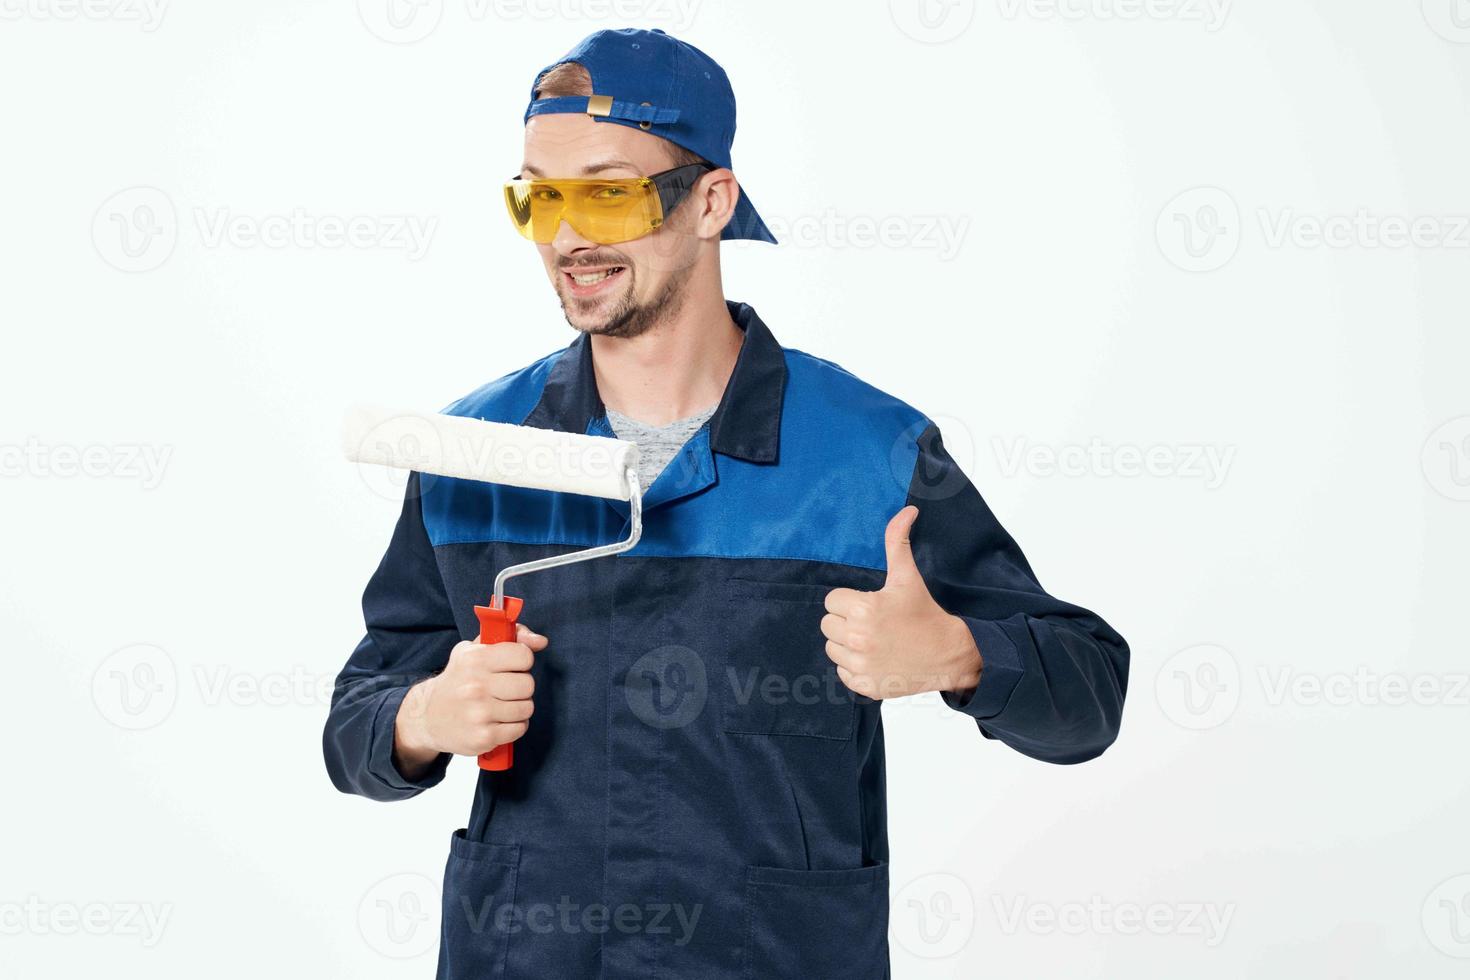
(657, 444)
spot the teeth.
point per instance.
(592, 277)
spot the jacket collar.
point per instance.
(747, 423)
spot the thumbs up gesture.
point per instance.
(898, 641)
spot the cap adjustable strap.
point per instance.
(603, 105)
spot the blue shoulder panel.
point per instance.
(845, 465)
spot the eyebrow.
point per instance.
(591, 168)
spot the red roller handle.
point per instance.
(498, 626)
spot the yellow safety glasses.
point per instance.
(602, 210)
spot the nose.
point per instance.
(568, 242)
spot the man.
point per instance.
(698, 788)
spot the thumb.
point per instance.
(901, 567)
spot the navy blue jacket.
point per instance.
(698, 795)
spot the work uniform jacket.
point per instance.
(698, 795)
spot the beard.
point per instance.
(626, 317)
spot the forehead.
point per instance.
(566, 144)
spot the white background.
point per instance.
(1097, 246)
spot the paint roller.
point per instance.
(511, 455)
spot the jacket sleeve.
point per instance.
(1054, 674)
(410, 632)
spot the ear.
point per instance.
(716, 194)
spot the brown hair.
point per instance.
(572, 78)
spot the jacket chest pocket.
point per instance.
(777, 678)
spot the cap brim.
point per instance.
(746, 223)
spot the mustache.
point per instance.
(596, 263)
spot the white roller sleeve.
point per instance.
(492, 452)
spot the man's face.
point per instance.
(617, 290)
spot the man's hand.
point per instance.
(898, 641)
(480, 700)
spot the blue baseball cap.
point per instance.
(666, 87)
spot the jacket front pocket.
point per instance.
(777, 678)
(478, 910)
(817, 925)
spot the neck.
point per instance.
(675, 369)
